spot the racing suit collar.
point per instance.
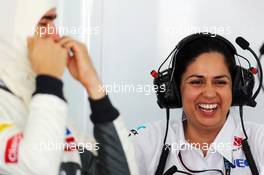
(177, 136)
(223, 143)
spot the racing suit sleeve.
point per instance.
(26, 131)
(115, 154)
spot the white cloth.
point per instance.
(18, 21)
(44, 121)
(32, 140)
(148, 142)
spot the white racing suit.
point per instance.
(37, 140)
(148, 142)
(34, 129)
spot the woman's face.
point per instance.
(206, 89)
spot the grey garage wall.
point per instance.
(134, 36)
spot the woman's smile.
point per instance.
(207, 109)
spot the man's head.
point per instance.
(23, 18)
(46, 27)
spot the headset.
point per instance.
(242, 90)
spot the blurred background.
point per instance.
(129, 38)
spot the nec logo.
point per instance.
(239, 163)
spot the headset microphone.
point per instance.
(244, 44)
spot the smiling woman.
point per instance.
(205, 84)
(206, 97)
(204, 81)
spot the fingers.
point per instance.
(70, 44)
(64, 40)
(30, 43)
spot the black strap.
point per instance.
(227, 167)
(248, 154)
(165, 148)
(163, 159)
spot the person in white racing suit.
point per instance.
(36, 137)
(208, 137)
(148, 142)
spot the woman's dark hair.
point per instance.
(192, 50)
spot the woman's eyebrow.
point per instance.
(201, 76)
(195, 75)
(222, 76)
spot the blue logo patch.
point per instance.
(68, 132)
(135, 131)
(141, 127)
(240, 163)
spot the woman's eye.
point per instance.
(196, 82)
(220, 82)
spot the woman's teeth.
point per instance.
(208, 107)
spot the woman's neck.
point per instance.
(200, 137)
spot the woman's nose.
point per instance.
(209, 91)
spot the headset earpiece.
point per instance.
(243, 85)
(167, 92)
